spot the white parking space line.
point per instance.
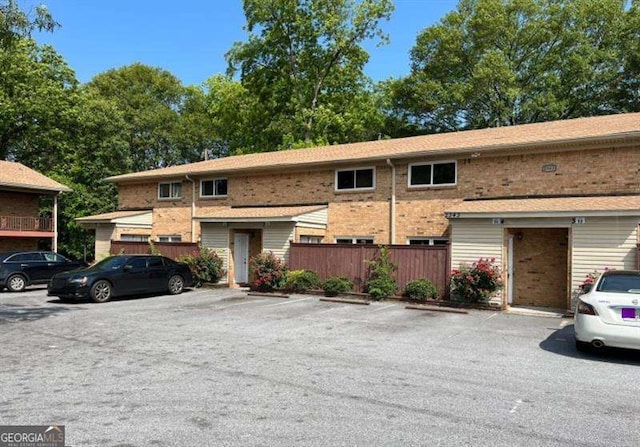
(288, 302)
(563, 323)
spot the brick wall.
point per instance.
(18, 244)
(19, 204)
(419, 211)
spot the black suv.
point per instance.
(21, 269)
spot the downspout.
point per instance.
(392, 207)
(193, 207)
(54, 246)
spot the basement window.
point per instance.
(171, 190)
(213, 188)
(310, 239)
(355, 179)
(170, 238)
(354, 240)
(433, 174)
(427, 241)
(134, 237)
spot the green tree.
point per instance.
(16, 24)
(151, 101)
(504, 62)
(37, 89)
(302, 67)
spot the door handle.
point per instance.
(24, 265)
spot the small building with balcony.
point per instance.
(22, 227)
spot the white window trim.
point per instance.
(310, 236)
(354, 239)
(214, 196)
(362, 168)
(439, 185)
(430, 239)
(170, 237)
(134, 237)
(170, 190)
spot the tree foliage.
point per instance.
(505, 62)
(16, 24)
(151, 101)
(302, 67)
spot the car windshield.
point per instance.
(112, 263)
(620, 284)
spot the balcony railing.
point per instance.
(23, 223)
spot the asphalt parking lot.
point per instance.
(216, 367)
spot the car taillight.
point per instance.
(586, 309)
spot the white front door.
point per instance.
(241, 257)
(510, 270)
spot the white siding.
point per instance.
(139, 219)
(474, 239)
(316, 217)
(276, 237)
(104, 234)
(216, 237)
(603, 242)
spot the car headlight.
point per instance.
(80, 280)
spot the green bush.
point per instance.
(475, 283)
(268, 272)
(205, 266)
(421, 289)
(381, 283)
(301, 280)
(334, 285)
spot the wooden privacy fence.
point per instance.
(413, 261)
(171, 250)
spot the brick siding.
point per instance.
(419, 211)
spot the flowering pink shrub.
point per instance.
(591, 278)
(269, 272)
(475, 283)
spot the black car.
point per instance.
(21, 269)
(122, 275)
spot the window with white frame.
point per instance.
(134, 237)
(304, 239)
(213, 188)
(354, 179)
(433, 174)
(354, 240)
(428, 241)
(171, 190)
(170, 238)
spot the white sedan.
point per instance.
(609, 313)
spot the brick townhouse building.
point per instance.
(21, 225)
(550, 201)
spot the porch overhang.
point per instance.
(304, 215)
(547, 207)
(129, 219)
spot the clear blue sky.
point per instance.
(190, 37)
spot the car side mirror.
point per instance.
(127, 268)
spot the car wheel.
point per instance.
(101, 291)
(176, 284)
(16, 283)
(583, 346)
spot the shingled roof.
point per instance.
(524, 136)
(17, 176)
(620, 205)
